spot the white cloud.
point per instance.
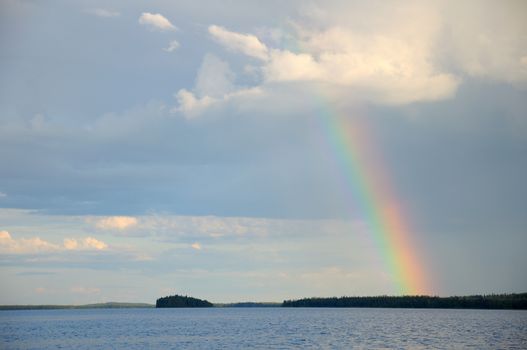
(288, 66)
(172, 46)
(70, 243)
(214, 81)
(100, 12)
(35, 245)
(245, 43)
(385, 68)
(91, 242)
(116, 222)
(196, 246)
(88, 243)
(214, 85)
(24, 245)
(2, 194)
(487, 39)
(381, 52)
(215, 78)
(156, 21)
(190, 105)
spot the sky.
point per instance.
(261, 151)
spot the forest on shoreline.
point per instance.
(513, 301)
(492, 301)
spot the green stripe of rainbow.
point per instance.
(350, 143)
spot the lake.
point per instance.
(283, 328)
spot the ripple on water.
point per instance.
(263, 328)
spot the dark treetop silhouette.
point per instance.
(492, 301)
(181, 301)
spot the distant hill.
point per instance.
(181, 301)
(249, 304)
(109, 305)
(116, 305)
(492, 301)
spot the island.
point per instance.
(181, 301)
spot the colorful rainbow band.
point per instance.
(366, 185)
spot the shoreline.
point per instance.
(512, 301)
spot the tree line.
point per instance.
(491, 301)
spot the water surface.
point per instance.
(283, 328)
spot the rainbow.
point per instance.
(366, 184)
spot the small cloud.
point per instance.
(172, 46)
(88, 243)
(2, 194)
(191, 105)
(70, 244)
(196, 246)
(91, 242)
(23, 245)
(248, 44)
(100, 12)
(34, 245)
(156, 21)
(116, 222)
